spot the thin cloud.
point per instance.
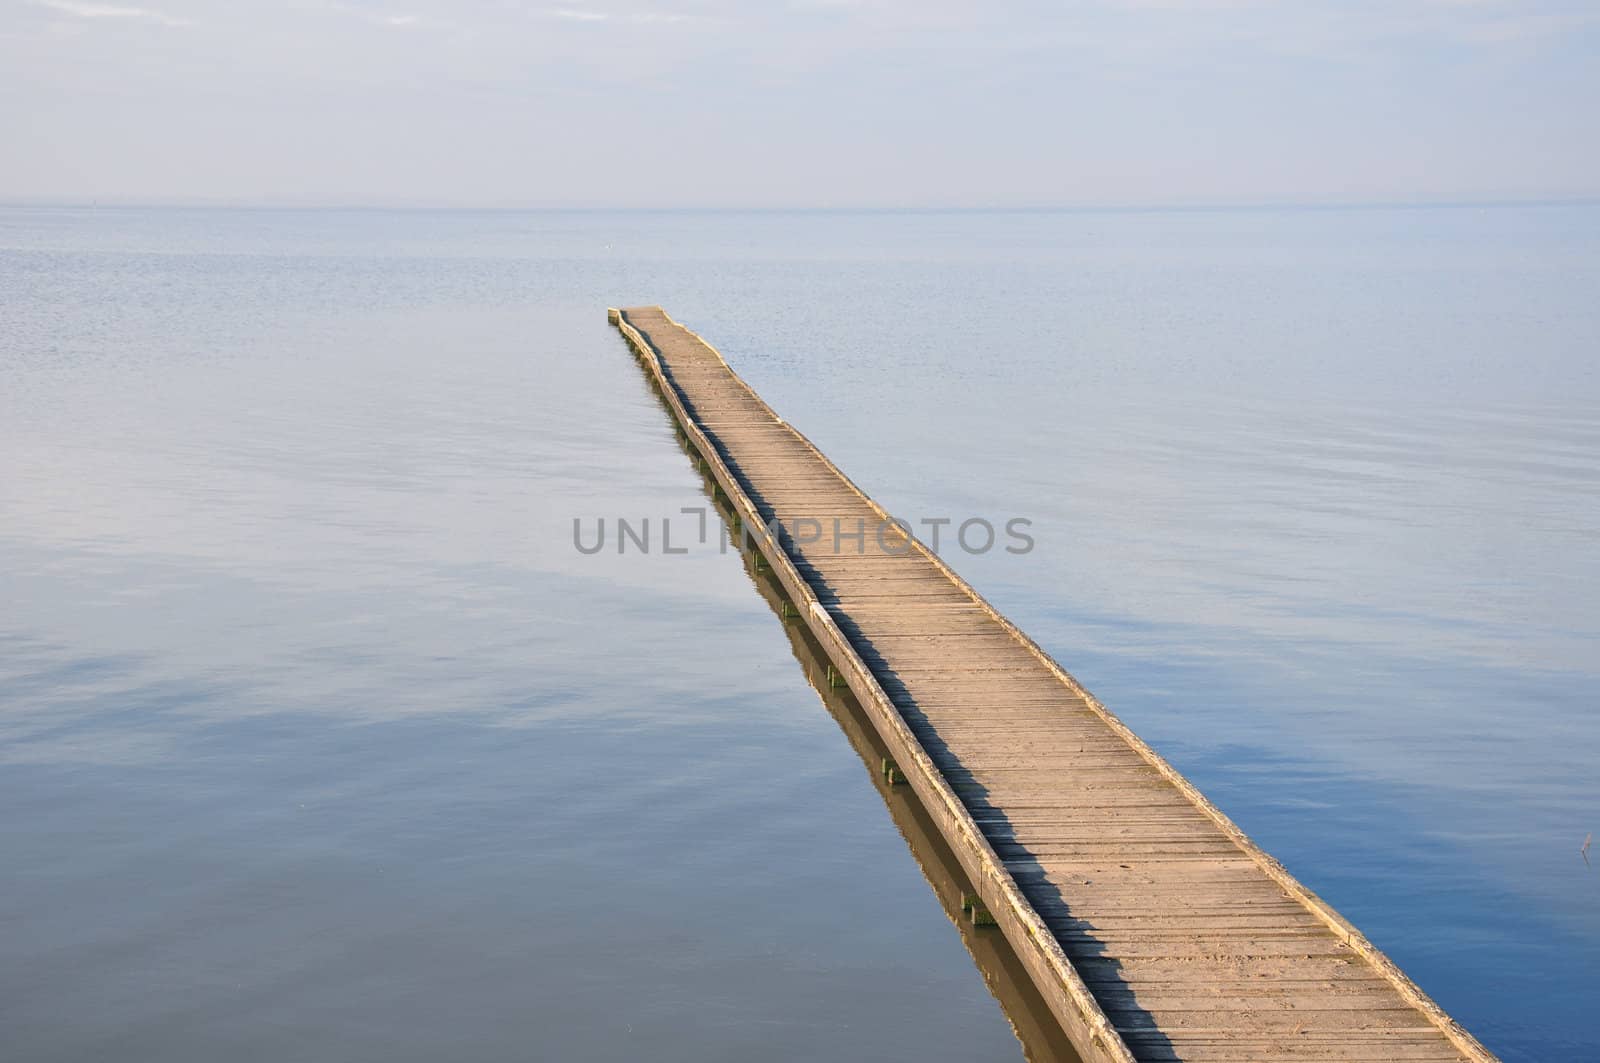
(112, 11)
(413, 22)
(1515, 29)
(647, 18)
(666, 17)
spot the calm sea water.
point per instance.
(319, 740)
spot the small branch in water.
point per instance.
(1584, 852)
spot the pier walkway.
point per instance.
(1154, 929)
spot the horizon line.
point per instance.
(1086, 208)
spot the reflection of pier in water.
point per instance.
(1029, 1015)
(1149, 924)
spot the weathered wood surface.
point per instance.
(1042, 1038)
(1153, 927)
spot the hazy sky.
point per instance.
(826, 102)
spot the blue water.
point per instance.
(318, 738)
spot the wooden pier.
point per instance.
(1152, 927)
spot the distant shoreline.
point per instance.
(1172, 208)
